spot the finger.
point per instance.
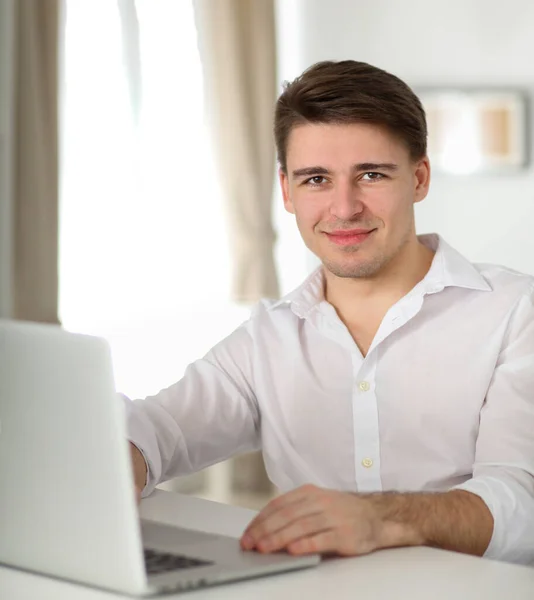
(302, 528)
(278, 521)
(277, 514)
(295, 496)
(323, 542)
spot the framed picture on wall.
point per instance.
(476, 130)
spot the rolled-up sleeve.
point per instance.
(206, 417)
(503, 474)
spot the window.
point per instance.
(143, 244)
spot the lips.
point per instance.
(349, 237)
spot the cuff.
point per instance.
(512, 507)
(141, 435)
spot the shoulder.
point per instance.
(512, 294)
(506, 281)
(266, 315)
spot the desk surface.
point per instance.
(402, 573)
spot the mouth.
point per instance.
(350, 237)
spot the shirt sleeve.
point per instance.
(503, 474)
(206, 417)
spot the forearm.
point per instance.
(455, 520)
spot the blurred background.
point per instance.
(138, 196)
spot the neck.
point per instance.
(385, 288)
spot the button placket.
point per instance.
(365, 425)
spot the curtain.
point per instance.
(237, 46)
(33, 149)
(238, 52)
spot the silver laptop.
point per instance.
(67, 505)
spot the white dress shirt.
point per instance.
(443, 399)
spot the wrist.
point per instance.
(396, 534)
(392, 530)
(139, 467)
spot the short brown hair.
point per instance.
(349, 92)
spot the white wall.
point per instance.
(463, 42)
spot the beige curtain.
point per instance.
(34, 159)
(238, 52)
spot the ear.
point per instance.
(422, 179)
(284, 186)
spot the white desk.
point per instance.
(404, 573)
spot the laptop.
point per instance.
(67, 502)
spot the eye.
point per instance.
(315, 181)
(373, 176)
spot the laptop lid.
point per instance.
(67, 504)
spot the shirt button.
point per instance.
(364, 386)
(367, 463)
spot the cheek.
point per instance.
(306, 224)
(391, 210)
(310, 211)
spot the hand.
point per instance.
(139, 470)
(311, 519)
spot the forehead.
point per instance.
(328, 144)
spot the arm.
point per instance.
(503, 473)
(455, 520)
(207, 416)
(310, 519)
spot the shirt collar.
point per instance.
(306, 297)
(448, 269)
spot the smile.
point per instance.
(349, 237)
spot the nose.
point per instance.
(346, 201)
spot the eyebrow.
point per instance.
(367, 166)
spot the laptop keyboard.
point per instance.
(161, 562)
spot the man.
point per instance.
(392, 394)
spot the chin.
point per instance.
(353, 269)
